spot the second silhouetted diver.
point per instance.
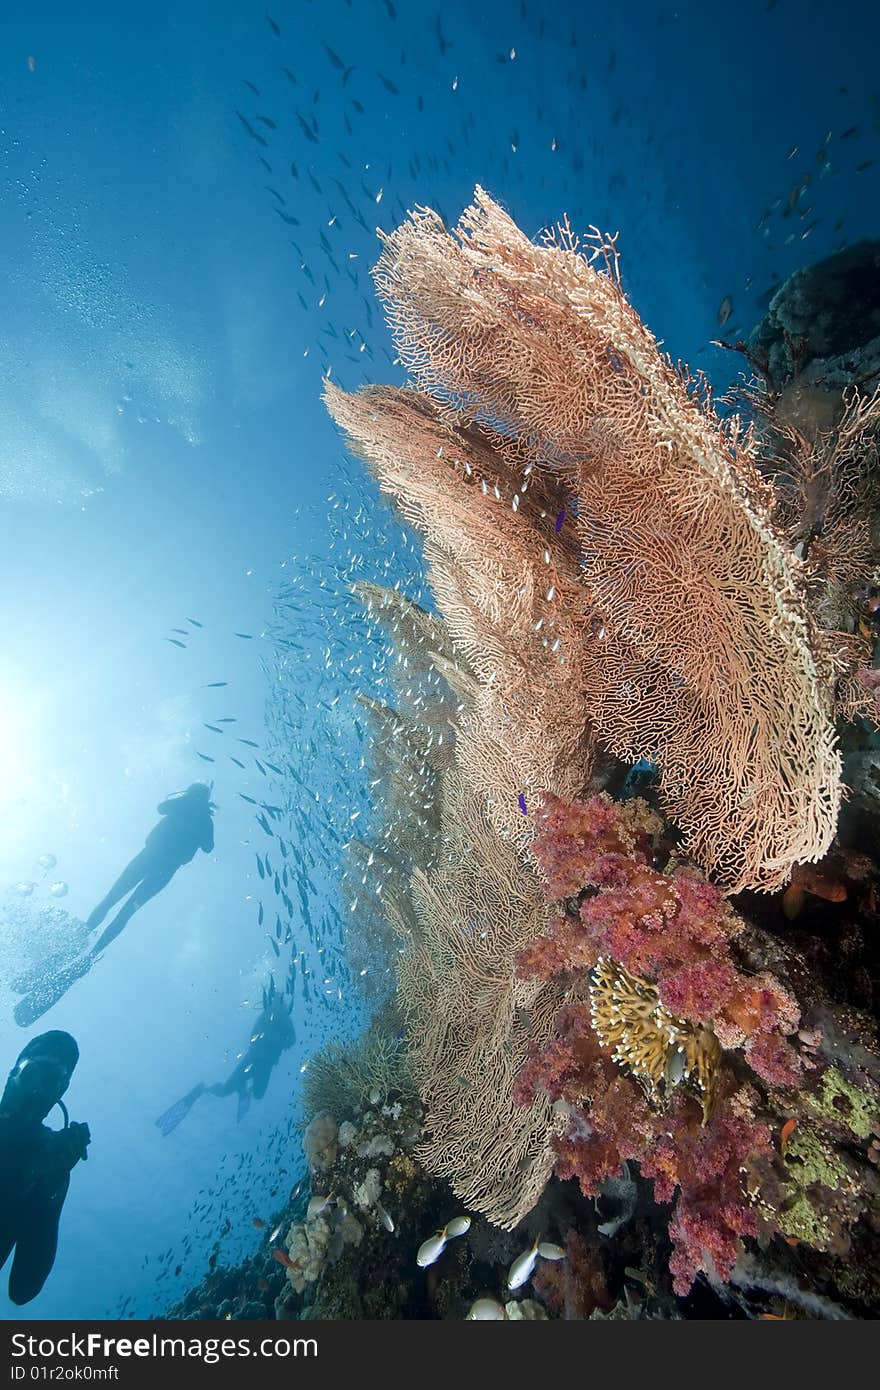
(272, 1035)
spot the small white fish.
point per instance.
(523, 1266)
(548, 1251)
(676, 1066)
(317, 1205)
(430, 1250)
(458, 1226)
(384, 1217)
(487, 1310)
(433, 1247)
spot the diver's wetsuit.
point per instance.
(35, 1164)
(273, 1034)
(186, 827)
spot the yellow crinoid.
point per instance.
(658, 1049)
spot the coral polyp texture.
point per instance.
(697, 648)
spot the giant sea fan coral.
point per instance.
(828, 502)
(827, 485)
(698, 649)
(471, 1018)
(341, 1075)
(458, 900)
(512, 604)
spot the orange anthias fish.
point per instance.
(283, 1258)
(785, 1134)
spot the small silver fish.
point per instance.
(676, 1066)
(384, 1217)
(548, 1251)
(639, 1277)
(317, 1205)
(523, 1267)
(430, 1250)
(458, 1226)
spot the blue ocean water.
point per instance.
(171, 304)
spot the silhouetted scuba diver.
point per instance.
(186, 826)
(35, 1161)
(273, 1034)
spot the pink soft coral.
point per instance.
(698, 1167)
(713, 1211)
(573, 838)
(674, 931)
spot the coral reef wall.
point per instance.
(607, 571)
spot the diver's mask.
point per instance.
(37, 1083)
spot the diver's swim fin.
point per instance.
(48, 992)
(32, 979)
(181, 1108)
(244, 1105)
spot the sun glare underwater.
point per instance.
(440, 704)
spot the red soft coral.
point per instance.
(706, 1238)
(706, 1164)
(774, 1060)
(699, 990)
(674, 931)
(573, 839)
